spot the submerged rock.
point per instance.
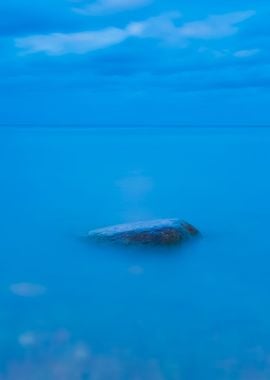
(155, 232)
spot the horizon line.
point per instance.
(131, 125)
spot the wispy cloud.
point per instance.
(246, 53)
(109, 6)
(162, 28)
(228, 53)
(215, 26)
(77, 43)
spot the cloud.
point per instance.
(110, 6)
(246, 53)
(224, 55)
(215, 26)
(162, 28)
(77, 43)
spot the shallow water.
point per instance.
(70, 310)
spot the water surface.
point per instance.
(73, 311)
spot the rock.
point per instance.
(154, 232)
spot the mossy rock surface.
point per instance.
(154, 232)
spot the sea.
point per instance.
(74, 310)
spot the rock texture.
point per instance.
(154, 232)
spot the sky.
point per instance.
(136, 62)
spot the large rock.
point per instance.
(155, 232)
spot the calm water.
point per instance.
(73, 311)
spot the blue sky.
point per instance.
(135, 62)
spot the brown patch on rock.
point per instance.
(191, 229)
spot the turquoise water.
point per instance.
(73, 311)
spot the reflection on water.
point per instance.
(27, 290)
(72, 310)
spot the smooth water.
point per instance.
(74, 311)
